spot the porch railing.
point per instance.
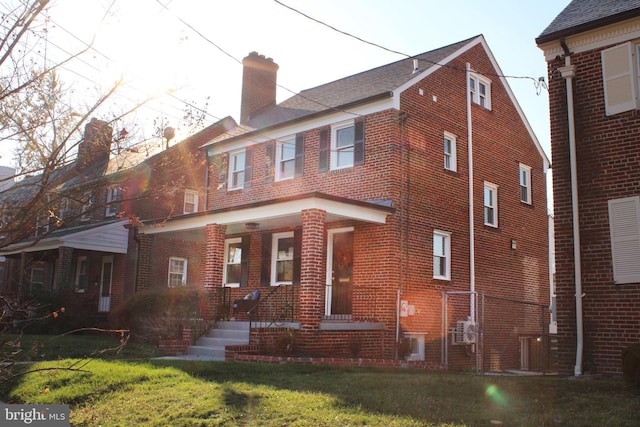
(275, 309)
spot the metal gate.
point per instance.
(492, 333)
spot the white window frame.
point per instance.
(40, 271)
(190, 202)
(624, 227)
(114, 195)
(336, 151)
(182, 273)
(281, 160)
(491, 204)
(450, 157)
(86, 211)
(443, 255)
(479, 96)
(277, 257)
(237, 169)
(525, 183)
(79, 273)
(227, 261)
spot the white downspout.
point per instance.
(472, 250)
(569, 72)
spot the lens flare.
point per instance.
(495, 395)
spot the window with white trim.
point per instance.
(237, 163)
(82, 274)
(114, 195)
(624, 226)
(342, 145)
(232, 262)
(177, 272)
(480, 89)
(490, 204)
(441, 255)
(37, 278)
(285, 158)
(525, 184)
(450, 157)
(190, 201)
(87, 206)
(282, 258)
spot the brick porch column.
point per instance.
(143, 279)
(213, 257)
(64, 268)
(312, 274)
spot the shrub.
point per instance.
(161, 313)
(631, 365)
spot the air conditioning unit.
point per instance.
(464, 332)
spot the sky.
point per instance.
(191, 50)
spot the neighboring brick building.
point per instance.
(82, 243)
(592, 50)
(350, 203)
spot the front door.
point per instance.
(340, 273)
(104, 301)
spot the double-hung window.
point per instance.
(82, 274)
(450, 158)
(480, 90)
(525, 184)
(190, 201)
(87, 207)
(282, 258)
(232, 262)
(342, 145)
(346, 146)
(285, 159)
(490, 204)
(441, 255)
(177, 272)
(114, 195)
(237, 162)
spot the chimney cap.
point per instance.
(256, 59)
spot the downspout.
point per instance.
(568, 73)
(472, 250)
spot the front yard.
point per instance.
(188, 393)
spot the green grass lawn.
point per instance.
(188, 393)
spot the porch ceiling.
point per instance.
(111, 237)
(275, 214)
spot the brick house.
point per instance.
(352, 208)
(81, 244)
(592, 52)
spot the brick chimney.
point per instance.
(259, 77)
(96, 145)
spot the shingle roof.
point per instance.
(349, 90)
(582, 15)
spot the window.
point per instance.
(232, 262)
(450, 159)
(624, 226)
(82, 274)
(619, 79)
(114, 195)
(490, 204)
(525, 184)
(37, 278)
(87, 208)
(282, 258)
(237, 162)
(177, 272)
(441, 255)
(190, 201)
(346, 148)
(285, 159)
(480, 89)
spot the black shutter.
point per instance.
(358, 143)
(299, 168)
(265, 260)
(270, 154)
(224, 167)
(244, 261)
(297, 255)
(248, 167)
(323, 151)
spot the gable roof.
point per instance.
(584, 15)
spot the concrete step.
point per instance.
(212, 344)
(216, 353)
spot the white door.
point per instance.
(104, 300)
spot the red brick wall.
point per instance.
(607, 159)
